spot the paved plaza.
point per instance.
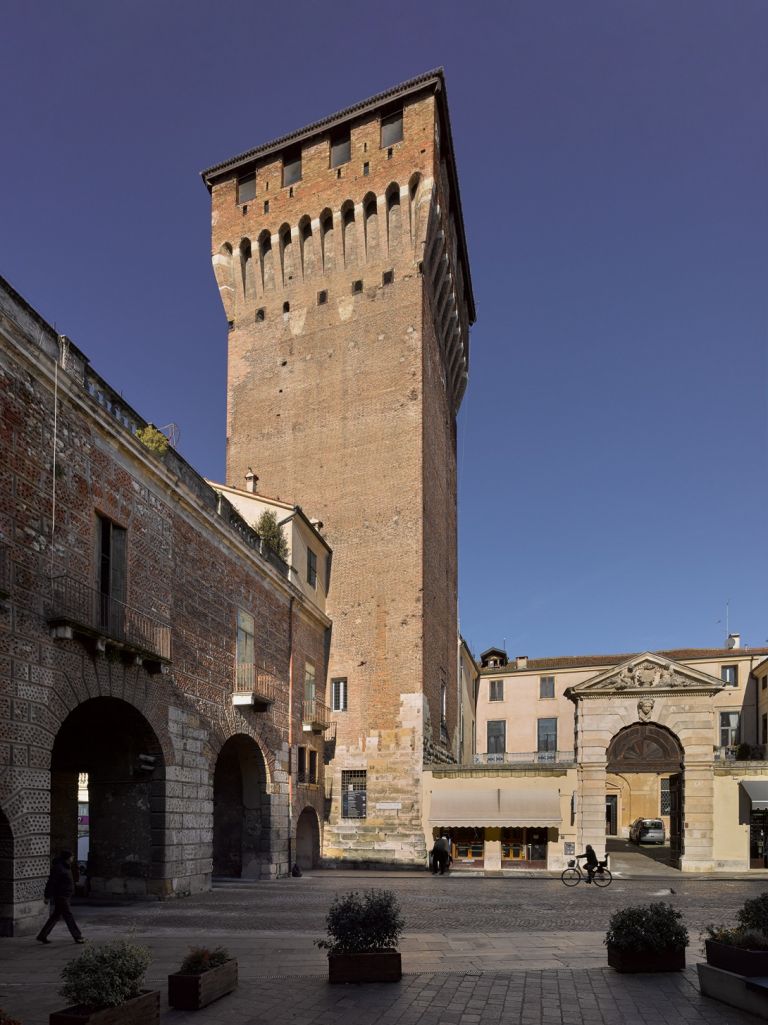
(476, 950)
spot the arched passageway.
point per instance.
(107, 770)
(308, 840)
(241, 811)
(644, 779)
(6, 877)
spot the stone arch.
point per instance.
(246, 269)
(394, 222)
(307, 244)
(308, 839)
(223, 272)
(644, 747)
(241, 810)
(371, 226)
(6, 876)
(266, 263)
(286, 253)
(113, 742)
(326, 240)
(349, 233)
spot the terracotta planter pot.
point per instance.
(191, 992)
(142, 1010)
(748, 963)
(646, 960)
(381, 966)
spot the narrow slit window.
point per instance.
(387, 277)
(339, 694)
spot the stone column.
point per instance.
(590, 808)
(698, 816)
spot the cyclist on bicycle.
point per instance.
(592, 862)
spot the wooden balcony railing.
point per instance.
(315, 715)
(257, 685)
(87, 611)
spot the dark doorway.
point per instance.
(676, 817)
(6, 877)
(308, 839)
(114, 744)
(611, 814)
(241, 811)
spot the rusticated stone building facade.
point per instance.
(147, 640)
(340, 256)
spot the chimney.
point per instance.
(521, 662)
(251, 480)
(734, 641)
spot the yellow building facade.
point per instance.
(572, 750)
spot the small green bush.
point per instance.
(153, 439)
(744, 939)
(362, 923)
(105, 975)
(754, 915)
(200, 959)
(647, 927)
(271, 534)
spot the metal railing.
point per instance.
(741, 753)
(255, 678)
(88, 610)
(316, 713)
(525, 758)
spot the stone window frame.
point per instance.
(730, 679)
(342, 704)
(550, 684)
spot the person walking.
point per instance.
(441, 854)
(59, 889)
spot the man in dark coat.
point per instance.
(59, 889)
(592, 862)
(441, 854)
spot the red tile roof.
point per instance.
(579, 661)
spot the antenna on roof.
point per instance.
(172, 433)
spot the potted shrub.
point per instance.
(204, 976)
(104, 985)
(742, 950)
(647, 938)
(363, 933)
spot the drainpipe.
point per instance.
(290, 733)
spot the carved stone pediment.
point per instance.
(647, 674)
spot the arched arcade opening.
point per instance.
(108, 796)
(241, 810)
(308, 840)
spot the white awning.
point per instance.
(492, 806)
(757, 792)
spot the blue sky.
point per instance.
(613, 166)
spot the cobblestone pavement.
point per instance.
(526, 951)
(435, 903)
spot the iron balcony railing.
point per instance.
(255, 678)
(525, 758)
(315, 714)
(741, 753)
(88, 611)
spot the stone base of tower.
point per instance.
(391, 833)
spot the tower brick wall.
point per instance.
(348, 301)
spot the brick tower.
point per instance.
(341, 260)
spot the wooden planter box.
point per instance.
(646, 960)
(142, 1010)
(736, 959)
(191, 992)
(382, 966)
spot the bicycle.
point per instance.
(573, 875)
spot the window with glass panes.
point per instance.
(309, 682)
(729, 729)
(354, 784)
(546, 686)
(497, 736)
(496, 690)
(547, 735)
(665, 802)
(311, 568)
(245, 650)
(730, 675)
(339, 694)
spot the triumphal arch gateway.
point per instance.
(649, 716)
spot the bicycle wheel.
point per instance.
(603, 878)
(571, 876)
